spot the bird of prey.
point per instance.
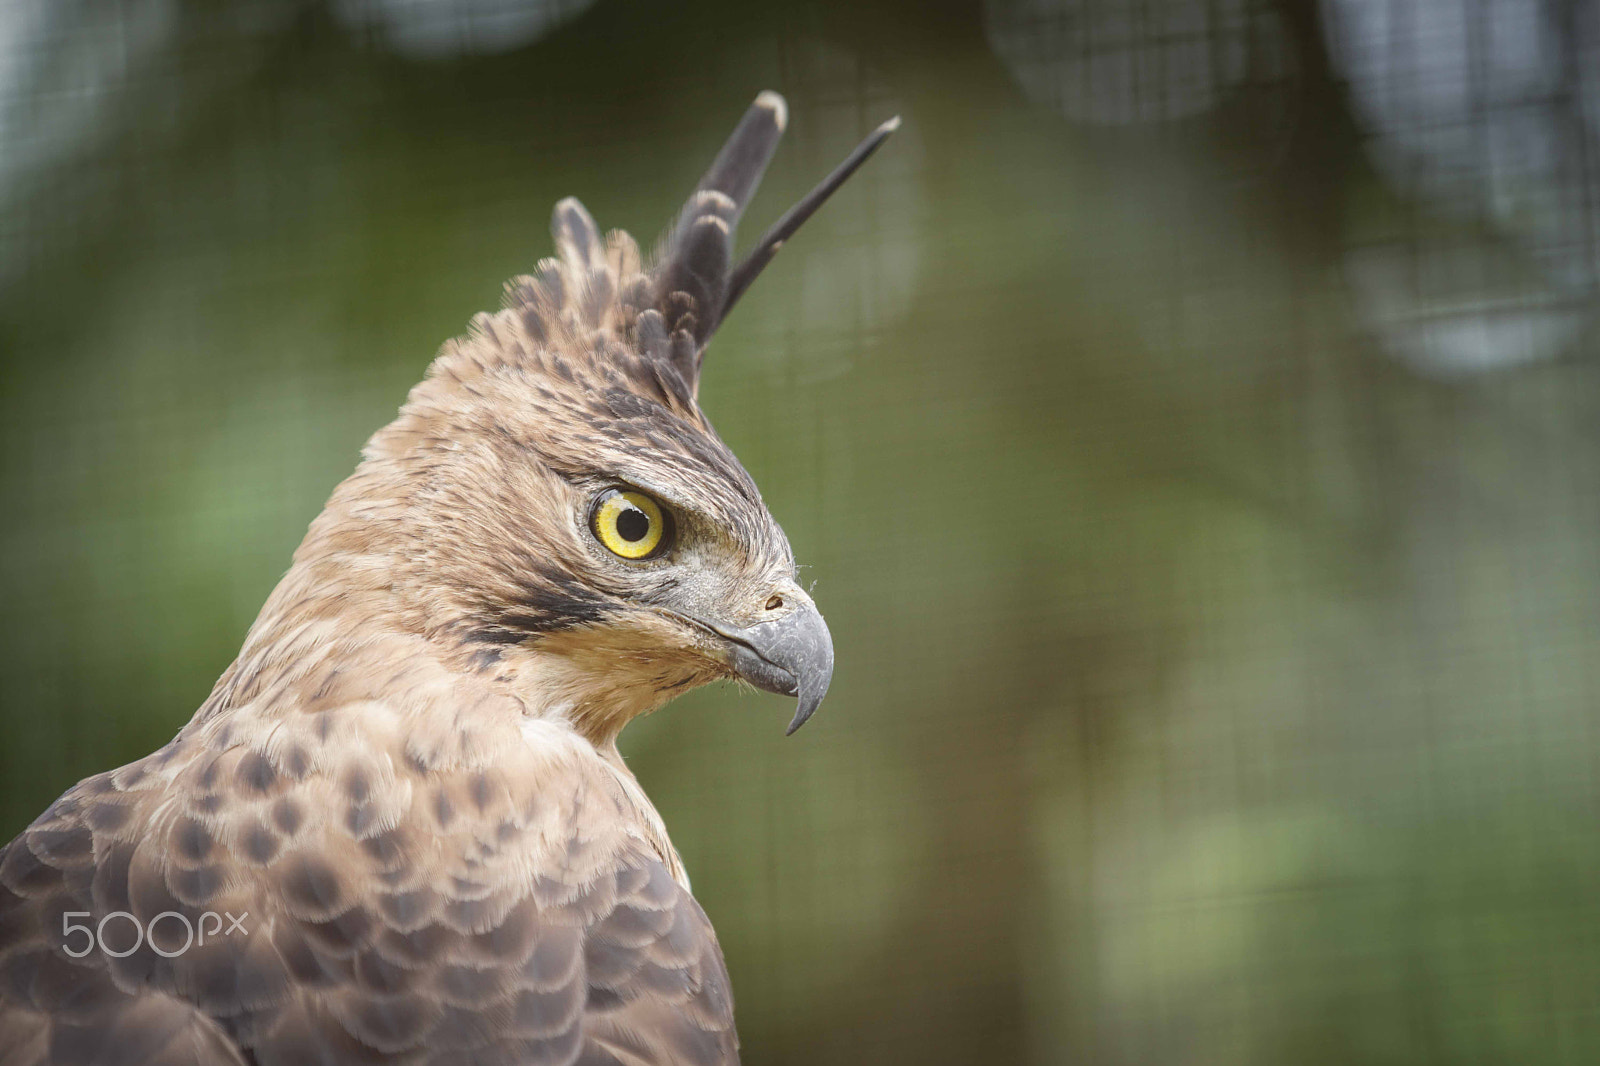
(398, 830)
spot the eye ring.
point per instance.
(631, 525)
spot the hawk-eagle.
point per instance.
(399, 829)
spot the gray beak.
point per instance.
(792, 656)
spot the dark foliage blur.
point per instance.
(1189, 420)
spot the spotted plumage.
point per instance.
(404, 796)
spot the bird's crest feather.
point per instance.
(599, 293)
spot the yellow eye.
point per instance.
(630, 524)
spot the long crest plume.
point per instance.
(667, 311)
(697, 282)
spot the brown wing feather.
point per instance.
(402, 907)
(59, 1009)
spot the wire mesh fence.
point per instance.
(1188, 423)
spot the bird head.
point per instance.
(553, 507)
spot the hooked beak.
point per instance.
(792, 656)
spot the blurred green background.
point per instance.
(1188, 420)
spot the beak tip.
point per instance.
(792, 655)
(802, 715)
(809, 701)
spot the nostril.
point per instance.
(774, 603)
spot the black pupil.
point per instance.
(633, 524)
